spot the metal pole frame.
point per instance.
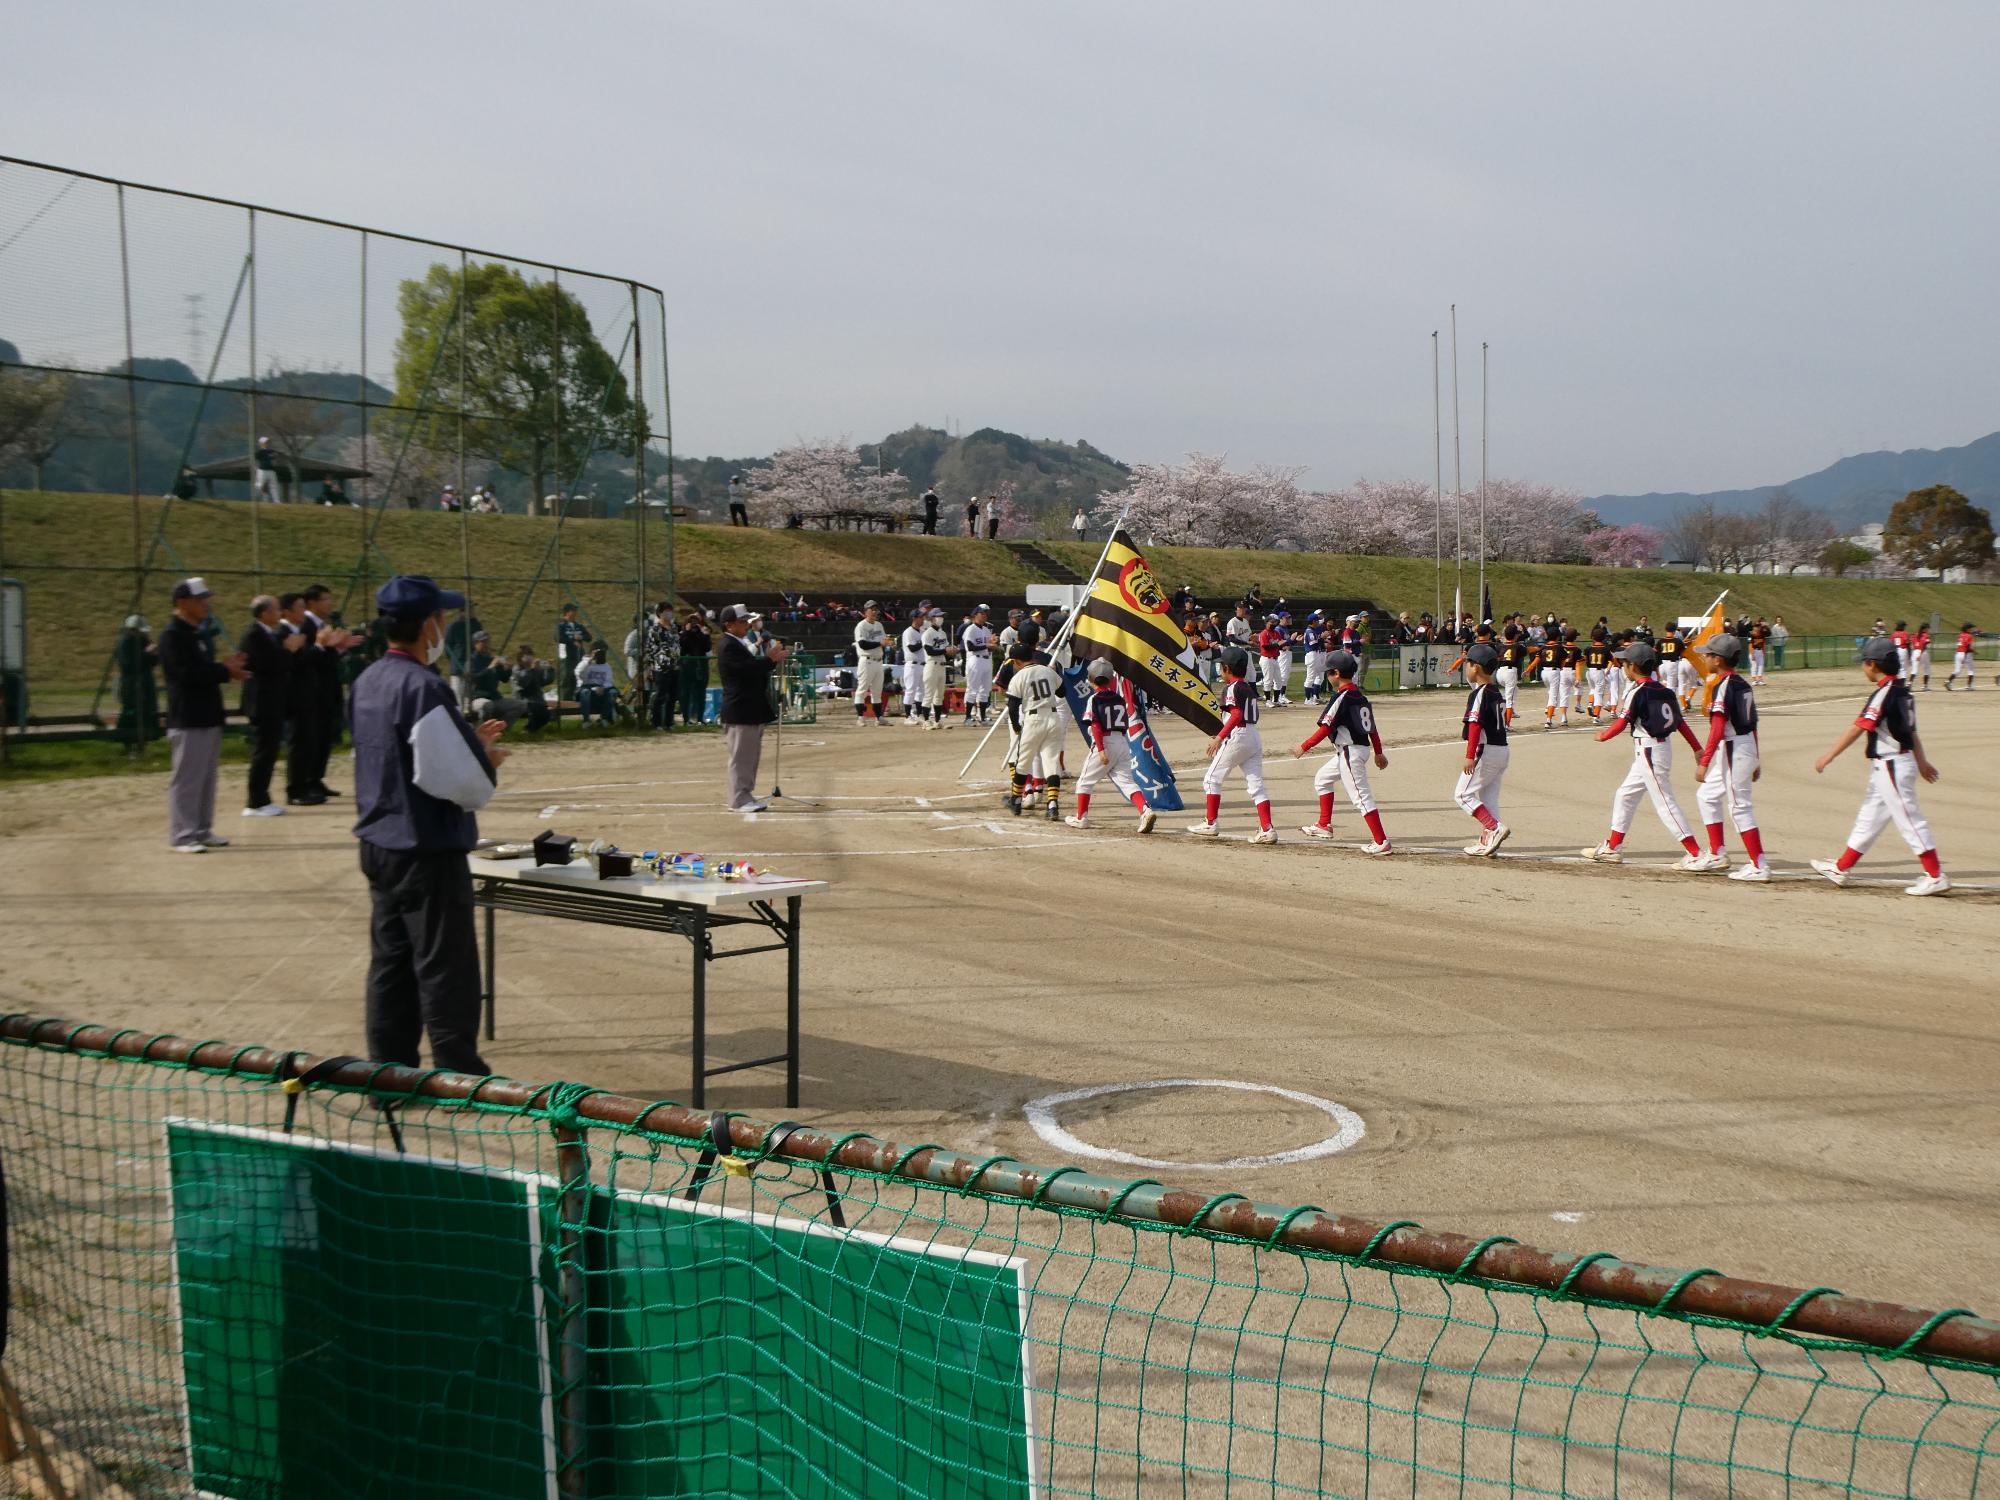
(250, 430)
(464, 503)
(140, 727)
(1482, 476)
(1437, 486)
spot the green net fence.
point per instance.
(224, 1284)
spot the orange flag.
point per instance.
(1716, 623)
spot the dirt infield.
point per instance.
(1791, 1082)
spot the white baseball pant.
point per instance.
(1480, 787)
(1347, 767)
(1268, 670)
(1961, 664)
(1600, 686)
(1508, 680)
(1903, 656)
(1757, 661)
(1561, 686)
(1315, 668)
(934, 684)
(1115, 762)
(978, 678)
(1920, 662)
(1242, 751)
(868, 681)
(1652, 765)
(1728, 784)
(913, 681)
(1892, 798)
(1040, 742)
(1285, 661)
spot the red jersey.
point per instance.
(1965, 641)
(1923, 640)
(1271, 640)
(1900, 639)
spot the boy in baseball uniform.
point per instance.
(1556, 678)
(1896, 762)
(1900, 638)
(868, 638)
(978, 643)
(1484, 728)
(1035, 710)
(1728, 763)
(1652, 711)
(1597, 672)
(1237, 746)
(1270, 652)
(1962, 660)
(1316, 655)
(912, 642)
(937, 656)
(1920, 655)
(1349, 721)
(1676, 674)
(1507, 676)
(1108, 718)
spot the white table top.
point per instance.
(580, 877)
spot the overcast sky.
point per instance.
(1710, 245)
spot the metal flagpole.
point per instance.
(1437, 483)
(1482, 476)
(1055, 645)
(1457, 473)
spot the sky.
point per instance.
(1709, 245)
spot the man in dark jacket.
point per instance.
(303, 706)
(266, 698)
(695, 643)
(194, 681)
(420, 773)
(746, 704)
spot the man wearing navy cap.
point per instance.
(420, 773)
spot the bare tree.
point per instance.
(292, 413)
(40, 410)
(1691, 534)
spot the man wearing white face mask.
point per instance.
(420, 773)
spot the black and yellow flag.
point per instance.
(1126, 619)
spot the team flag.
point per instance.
(1714, 623)
(1125, 618)
(1149, 764)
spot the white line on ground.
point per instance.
(1041, 1118)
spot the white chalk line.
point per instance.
(1041, 1118)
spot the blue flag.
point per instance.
(1149, 766)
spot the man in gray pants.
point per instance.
(746, 704)
(194, 681)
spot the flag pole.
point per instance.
(1437, 486)
(1055, 645)
(1457, 468)
(1482, 476)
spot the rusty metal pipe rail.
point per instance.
(1883, 1326)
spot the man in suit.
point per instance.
(302, 704)
(266, 697)
(329, 641)
(746, 703)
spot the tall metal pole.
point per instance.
(1437, 482)
(250, 438)
(464, 507)
(1457, 472)
(361, 480)
(639, 494)
(140, 727)
(1482, 476)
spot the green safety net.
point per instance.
(221, 1287)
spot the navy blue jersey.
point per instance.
(1484, 709)
(1349, 719)
(1242, 697)
(1652, 709)
(1890, 718)
(1108, 712)
(1737, 704)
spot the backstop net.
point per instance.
(165, 357)
(240, 1272)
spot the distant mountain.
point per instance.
(1854, 491)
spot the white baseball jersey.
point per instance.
(868, 638)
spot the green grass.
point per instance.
(75, 554)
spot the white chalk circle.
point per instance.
(1041, 1116)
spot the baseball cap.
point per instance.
(870, 604)
(411, 596)
(1342, 664)
(980, 609)
(1236, 660)
(1882, 651)
(1482, 656)
(135, 622)
(1099, 670)
(733, 612)
(1640, 655)
(1724, 647)
(192, 588)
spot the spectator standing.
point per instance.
(266, 698)
(571, 638)
(264, 472)
(302, 704)
(329, 643)
(930, 510)
(739, 513)
(746, 705)
(635, 644)
(972, 516)
(992, 517)
(1078, 524)
(458, 650)
(194, 681)
(449, 499)
(414, 806)
(1779, 635)
(138, 695)
(663, 666)
(695, 644)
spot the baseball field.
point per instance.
(1790, 1082)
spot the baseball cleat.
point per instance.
(1147, 819)
(1055, 813)
(1012, 804)
(1075, 822)
(1715, 860)
(1202, 830)
(1382, 848)
(1691, 864)
(1316, 830)
(1831, 871)
(1494, 838)
(1264, 836)
(1756, 873)
(1930, 885)
(1603, 854)
(1478, 850)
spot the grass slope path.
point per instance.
(75, 552)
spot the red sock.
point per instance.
(1613, 839)
(1214, 806)
(1691, 846)
(1753, 845)
(1082, 804)
(1326, 809)
(1264, 814)
(1849, 858)
(1715, 838)
(1374, 822)
(1139, 801)
(1484, 817)
(1929, 860)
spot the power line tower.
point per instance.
(194, 328)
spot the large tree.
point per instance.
(816, 481)
(539, 391)
(40, 410)
(1938, 528)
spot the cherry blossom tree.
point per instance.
(1203, 503)
(817, 481)
(1624, 546)
(1397, 518)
